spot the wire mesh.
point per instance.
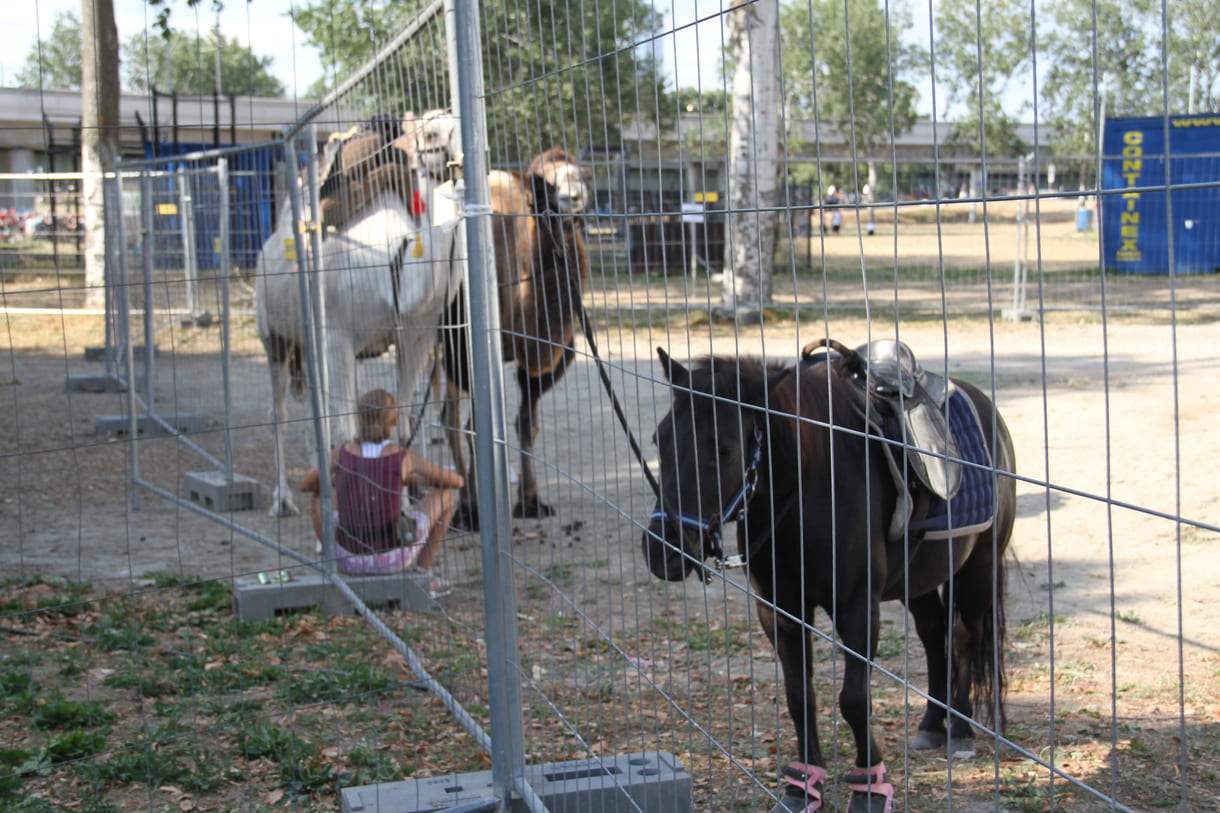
(129, 680)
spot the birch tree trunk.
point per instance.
(99, 132)
(753, 166)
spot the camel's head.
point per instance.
(566, 187)
(433, 140)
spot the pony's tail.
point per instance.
(985, 656)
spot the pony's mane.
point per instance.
(747, 367)
(723, 375)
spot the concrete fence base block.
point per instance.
(184, 422)
(98, 383)
(215, 492)
(652, 782)
(114, 355)
(255, 601)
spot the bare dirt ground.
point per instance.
(1111, 599)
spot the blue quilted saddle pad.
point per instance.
(972, 509)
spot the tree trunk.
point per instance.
(753, 170)
(99, 132)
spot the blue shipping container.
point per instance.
(1137, 235)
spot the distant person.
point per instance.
(832, 202)
(376, 529)
(866, 198)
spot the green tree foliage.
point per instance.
(847, 67)
(192, 65)
(1107, 54)
(55, 62)
(1194, 40)
(556, 73)
(981, 47)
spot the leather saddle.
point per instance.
(907, 404)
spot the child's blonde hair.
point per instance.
(377, 416)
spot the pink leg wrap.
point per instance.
(801, 780)
(872, 781)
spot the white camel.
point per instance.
(387, 276)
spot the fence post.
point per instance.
(313, 367)
(503, 661)
(226, 352)
(186, 226)
(122, 338)
(148, 257)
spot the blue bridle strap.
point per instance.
(734, 510)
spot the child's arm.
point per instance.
(310, 484)
(418, 471)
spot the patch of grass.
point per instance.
(144, 685)
(235, 676)
(302, 767)
(131, 636)
(211, 595)
(734, 638)
(309, 776)
(232, 712)
(153, 765)
(1130, 616)
(1068, 673)
(162, 579)
(17, 689)
(373, 766)
(357, 684)
(891, 646)
(59, 712)
(276, 744)
(1035, 630)
(76, 744)
(12, 762)
(1021, 790)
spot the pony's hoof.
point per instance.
(796, 803)
(927, 740)
(961, 748)
(466, 517)
(870, 803)
(532, 509)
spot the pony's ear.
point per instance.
(675, 373)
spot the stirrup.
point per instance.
(871, 782)
(802, 786)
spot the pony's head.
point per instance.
(709, 447)
(560, 184)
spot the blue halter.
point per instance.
(734, 510)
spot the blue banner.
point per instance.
(1142, 228)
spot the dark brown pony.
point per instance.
(542, 266)
(786, 453)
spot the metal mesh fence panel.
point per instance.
(695, 564)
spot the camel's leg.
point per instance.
(527, 426)
(277, 360)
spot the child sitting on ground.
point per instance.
(376, 529)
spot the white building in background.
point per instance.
(40, 130)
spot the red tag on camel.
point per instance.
(417, 204)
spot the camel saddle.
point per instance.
(904, 401)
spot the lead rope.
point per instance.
(671, 515)
(618, 407)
